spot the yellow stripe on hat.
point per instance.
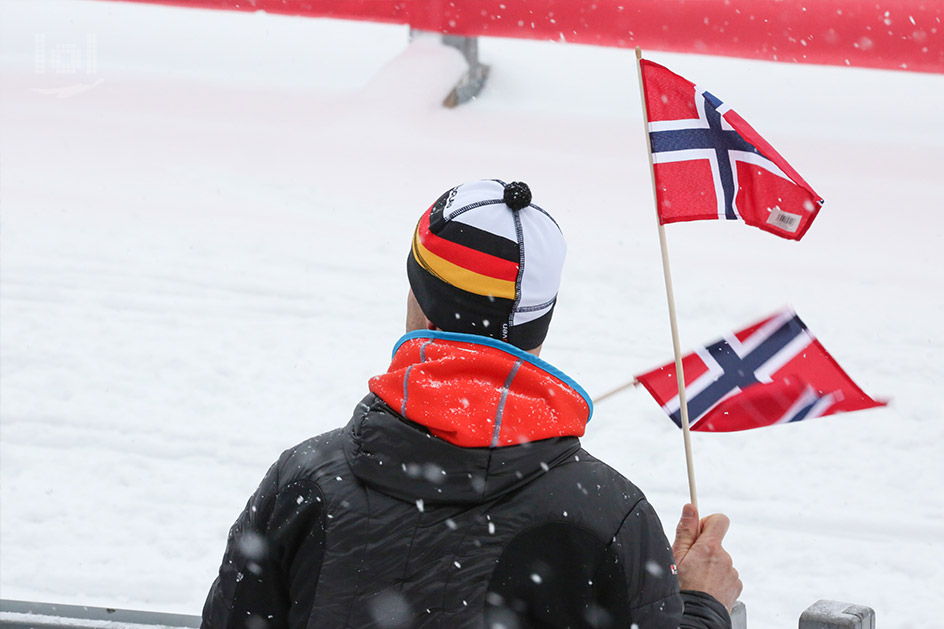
(461, 277)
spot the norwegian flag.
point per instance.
(773, 372)
(709, 163)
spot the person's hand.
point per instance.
(703, 565)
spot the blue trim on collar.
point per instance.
(508, 348)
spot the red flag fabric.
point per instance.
(772, 372)
(709, 163)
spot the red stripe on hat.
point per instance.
(466, 257)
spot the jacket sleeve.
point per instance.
(280, 528)
(650, 578)
(703, 610)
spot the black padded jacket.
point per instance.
(379, 524)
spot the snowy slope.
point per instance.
(204, 219)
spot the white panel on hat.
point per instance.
(473, 192)
(544, 252)
(495, 218)
(531, 315)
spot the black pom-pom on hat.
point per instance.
(517, 195)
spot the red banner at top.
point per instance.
(890, 34)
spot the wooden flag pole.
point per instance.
(613, 392)
(683, 401)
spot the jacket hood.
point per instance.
(408, 463)
(475, 391)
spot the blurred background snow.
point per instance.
(204, 220)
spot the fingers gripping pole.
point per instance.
(680, 377)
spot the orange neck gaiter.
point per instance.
(477, 392)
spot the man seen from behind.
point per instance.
(458, 495)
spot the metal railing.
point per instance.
(28, 615)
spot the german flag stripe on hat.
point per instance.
(463, 277)
(472, 237)
(464, 267)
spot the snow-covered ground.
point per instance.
(204, 218)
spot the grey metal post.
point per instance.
(472, 82)
(29, 615)
(837, 615)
